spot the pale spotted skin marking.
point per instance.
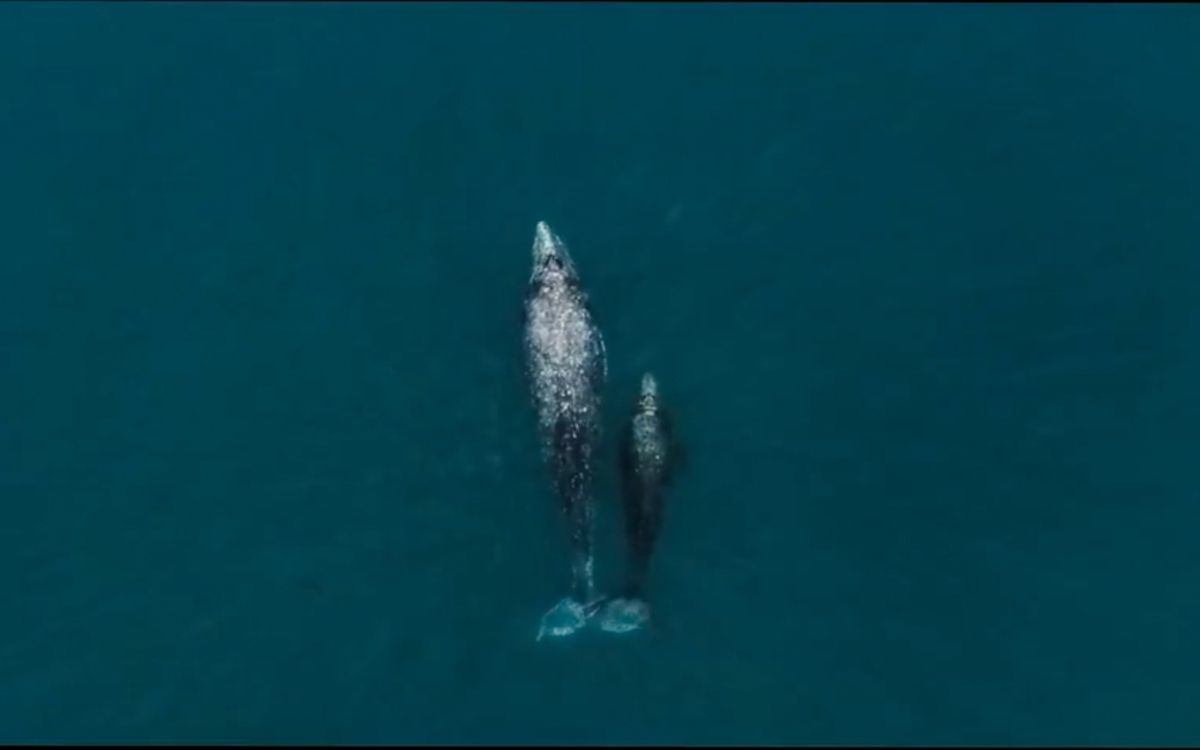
(567, 367)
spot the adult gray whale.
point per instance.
(567, 368)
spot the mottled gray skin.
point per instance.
(649, 456)
(567, 369)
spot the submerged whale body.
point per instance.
(567, 367)
(648, 460)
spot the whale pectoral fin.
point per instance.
(600, 360)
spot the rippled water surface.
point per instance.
(920, 284)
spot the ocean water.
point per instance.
(920, 284)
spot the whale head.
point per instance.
(552, 265)
(648, 400)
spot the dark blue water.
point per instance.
(920, 283)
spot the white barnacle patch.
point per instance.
(561, 339)
(648, 438)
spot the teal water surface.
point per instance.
(920, 283)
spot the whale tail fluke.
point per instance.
(563, 619)
(624, 615)
(570, 615)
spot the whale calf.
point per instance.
(649, 456)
